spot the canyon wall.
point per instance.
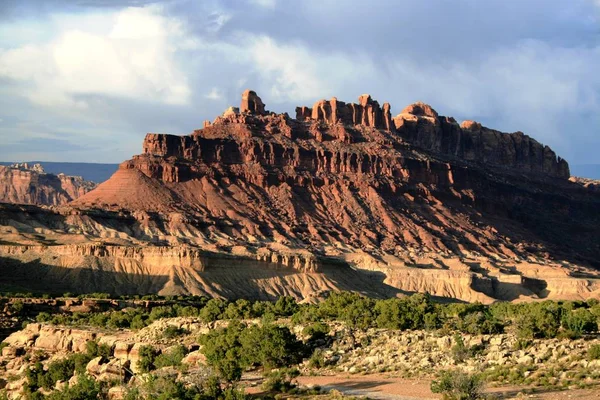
(29, 184)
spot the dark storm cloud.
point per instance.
(513, 65)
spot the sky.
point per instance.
(85, 80)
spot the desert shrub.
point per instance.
(212, 310)
(280, 380)
(593, 352)
(187, 311)
(271, 346)
(119, 319)
(166, 388)
(407, 313)
(17, 307)
(147, 356)
(460, 352)
(161, 312)
(307, 313)
(43, 317)
(171, 358)
(457, 385)
(58, 370)
(480, 322)
(317, 360)
(93, 350)
(86, 388)
(223, 351)
(172, 332)
(240, 309)
(285, 306)
(96, 295)
(139, 321)
(580, 321)
(316, 331)
(522, 344)
(229, 350)
(99, 319)
(539, 320)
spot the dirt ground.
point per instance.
(380, 386)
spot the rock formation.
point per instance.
(340, 197)
(30, 184)
(366, 113)
(420, 125)
(252, 104)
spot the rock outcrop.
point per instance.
(421, 125)
(251, 103)
(30, 184)
(366, 113)
(341, 197)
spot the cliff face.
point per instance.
(29, 184)
(417, 203)
(470, 141)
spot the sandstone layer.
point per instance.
(258, 204)
(30, 184)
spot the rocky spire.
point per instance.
(251, 103)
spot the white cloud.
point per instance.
(214, 94)
(129, 53)
(264, 3)
(297, 74)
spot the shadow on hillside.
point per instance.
(250, 279)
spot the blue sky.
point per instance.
(84, 80)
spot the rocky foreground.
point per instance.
(343, 197)
(119, 360)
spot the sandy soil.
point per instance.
(379, 386)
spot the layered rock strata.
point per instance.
(30, 184)
(348, 199)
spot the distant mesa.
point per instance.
(257, 204)
(25, 183)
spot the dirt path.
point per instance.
(382, 387)
(373, 386)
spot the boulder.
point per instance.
(194, 358)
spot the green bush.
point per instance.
(593, 352)
(93, 350)
(317, 360)
(459, 351)
(271, 346)
(280, 380)
(43, 317)
(223, 351)
(17, 307)
(580, 321)
(213, 310)
(162, 312)
(230, 350)
(539, 320)
(456, 385)
(171, 358)
(86, 388)
(171, 332)
(316, 331)
(147, 356)
(285, 306)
